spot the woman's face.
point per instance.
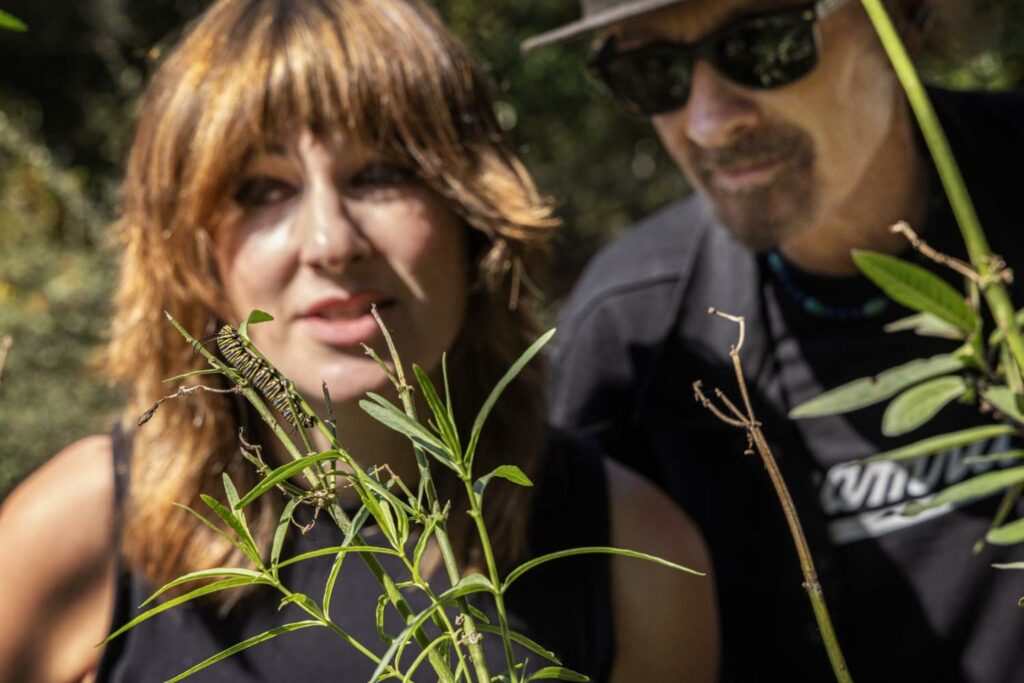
(319, 231)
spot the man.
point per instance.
(790, 124)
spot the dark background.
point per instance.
(67, 91)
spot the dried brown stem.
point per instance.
(749, 422)
(183, 391)
(1000, 272)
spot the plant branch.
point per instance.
(752, 426)
(426, 487)
(903, 228)
(956, 189)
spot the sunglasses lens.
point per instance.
(768, 51)
(650, 80)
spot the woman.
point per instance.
(312, 158)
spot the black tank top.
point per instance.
(564, 605)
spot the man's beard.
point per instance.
(762, 215)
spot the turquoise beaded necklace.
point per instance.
(812, 305)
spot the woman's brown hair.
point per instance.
(246, 75)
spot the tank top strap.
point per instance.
(122, 450)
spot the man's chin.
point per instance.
(763, 218)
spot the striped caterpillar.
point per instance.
(266, 379)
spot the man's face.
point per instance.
(776, 163)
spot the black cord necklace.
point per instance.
(812, 305)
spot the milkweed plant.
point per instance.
(408, 520)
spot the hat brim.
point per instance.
(598, 20)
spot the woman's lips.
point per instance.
(345, 321)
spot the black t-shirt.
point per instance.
(564, 605)
(909, 599)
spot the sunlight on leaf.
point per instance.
(917, 405)
(867, 391)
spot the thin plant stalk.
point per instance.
(746, 420)
(440, 533)
(952, 180)
(492, 571)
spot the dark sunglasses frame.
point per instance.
(602, 63)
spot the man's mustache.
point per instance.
(764, 145)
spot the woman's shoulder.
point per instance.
(666, 621)
(74, 486)
(57, 529)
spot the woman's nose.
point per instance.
(329, 236)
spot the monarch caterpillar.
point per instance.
(267, 380)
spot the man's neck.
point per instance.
(895, 187)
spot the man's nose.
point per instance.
(717, 112)
(330, 237)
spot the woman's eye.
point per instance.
(263, 191)
(383, 175)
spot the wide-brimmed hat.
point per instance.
(596, 14)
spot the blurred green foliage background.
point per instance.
(67, 91)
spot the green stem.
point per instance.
(476, 652)
(959, 198)
(476, 513)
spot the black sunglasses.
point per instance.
(762, 51)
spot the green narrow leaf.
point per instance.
(358, 520)
(508, 472)
(217, 572)
(867, 391)
(244, 645)
(917, 405)
(1010, 565)
(245, 542)
(445, 424)
(943, 442)
(530, 645)
(421, 546)
(995, 457)
(590, 550)
(557, 673)
(208, 523)
(283, 523)
(499, 388)
(335, 549)
(387, 523)
(303, 601)
(997, 335)
(383, 411)
(1004, 400)
(214, 587)
(255, 318)
(916, 288)
(1008, 534)
(232, 496)
(474, 583)
(194, 373)
(424, 653)
(12, 23)
(925, 325)
(283, 473)
(977, 487)
(382, 602)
